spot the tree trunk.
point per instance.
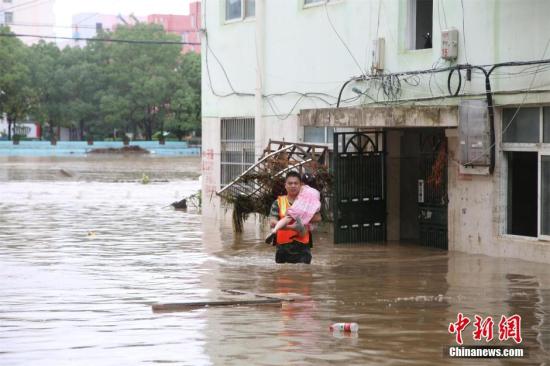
(162, 140)
(148, 130)
(53, 139)
(9, 127)
(81, 127)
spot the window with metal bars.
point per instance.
(237, 147)
(526, 146)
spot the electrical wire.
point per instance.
(267, 97)
(504, 129)
(464, 33)
(444, 14)
(112, 40)
(342, 40)
(24, 4)
(85, 19)
(389, 84)
(378, 18)
(28, 25)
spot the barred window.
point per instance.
(526, 146)
(237, 147)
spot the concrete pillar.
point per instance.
(393, 198)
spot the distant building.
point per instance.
(27, 129)
(187, 26)
(29, 17)
(88, 25)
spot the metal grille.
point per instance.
(360, 187)
(433, 210)
(237, 147)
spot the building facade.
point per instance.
(25, 129)
(187, 26)
(88, 25)
(436, 111)
(24, 17)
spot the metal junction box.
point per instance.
(474, 133)
(378, 49)
(449, 44)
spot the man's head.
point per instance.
(293, 183)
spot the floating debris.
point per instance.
(255, 189)
(420, 298)
(180, 205)
(194, 200)
(65, 173)
(184, 306)
(134, 149)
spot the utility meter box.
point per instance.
(474, 133)
(449, 44)
(378, 55)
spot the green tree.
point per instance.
(105, 86)
(15, 83)
(83, 84)
(185, 106)
(48, 77)
(138, 77)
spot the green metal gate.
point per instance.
(359, 187)
(432, 190)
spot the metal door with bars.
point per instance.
(359, 187)
(432, 190)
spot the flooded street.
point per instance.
(86, 249)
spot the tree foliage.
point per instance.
(15, 83)
(104, 86)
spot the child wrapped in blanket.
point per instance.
(304, 207)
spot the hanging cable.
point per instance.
(113, 40)
(343, 42)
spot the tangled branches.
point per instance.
(266, 185)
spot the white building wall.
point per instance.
(29, 130)
(34, 18)
(477, 212)
(302, 54)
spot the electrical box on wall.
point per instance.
(474, 133)
(449, 44)
(377, 55)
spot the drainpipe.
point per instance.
(258, 92)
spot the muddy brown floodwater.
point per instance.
(86, 249)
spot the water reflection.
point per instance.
(82, 260)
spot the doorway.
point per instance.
(423, 198)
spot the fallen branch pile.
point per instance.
(255, 189)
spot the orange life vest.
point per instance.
(285, 236)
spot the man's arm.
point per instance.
(316, 218)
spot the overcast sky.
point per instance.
(65, 9)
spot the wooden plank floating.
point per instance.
(184, 306)
(238, 292)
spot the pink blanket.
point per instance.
(306, 205)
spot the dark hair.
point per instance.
(309, 179)
(292, 173)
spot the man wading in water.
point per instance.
(292, 242)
